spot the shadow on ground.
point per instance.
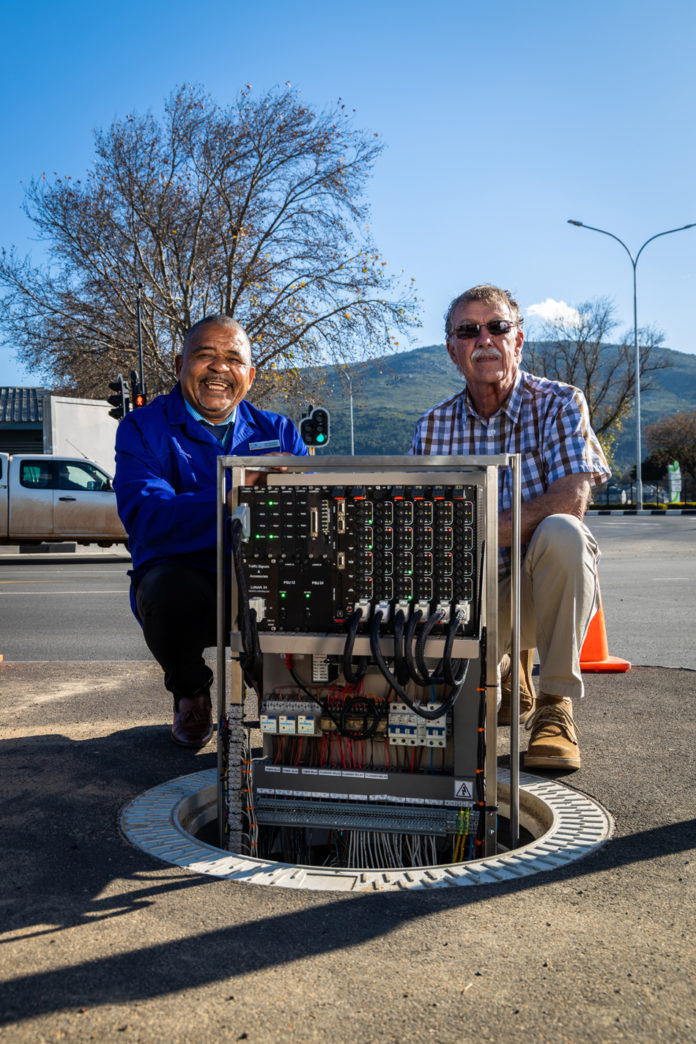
(66, 866)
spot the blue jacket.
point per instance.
(166, 476)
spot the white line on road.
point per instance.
(121, 593)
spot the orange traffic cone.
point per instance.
(594, 655)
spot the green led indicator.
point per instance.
(308, 594)
(283, 594)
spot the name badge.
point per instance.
(271, 444)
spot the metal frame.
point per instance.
(490, 465)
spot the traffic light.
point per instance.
(315, 428)
(120, 399)
(138, 394)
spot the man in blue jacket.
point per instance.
(166, 482)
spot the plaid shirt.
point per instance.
(545, 421)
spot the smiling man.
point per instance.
(503, 409)
(166, 488)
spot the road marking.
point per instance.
(80, 591)
(67, 580)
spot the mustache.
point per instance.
(486, 353)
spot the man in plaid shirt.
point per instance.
(502, 409)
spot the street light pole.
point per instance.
(352, 427)
(140, 337)
(634, 263)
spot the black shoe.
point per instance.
(193, 721)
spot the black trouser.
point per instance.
(177, 606)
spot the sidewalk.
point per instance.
(101, 942)
(80, 553)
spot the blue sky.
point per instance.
(501, 121)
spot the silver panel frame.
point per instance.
(294, 470)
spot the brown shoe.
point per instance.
(193, 720)
(553, 743)
(527, 690)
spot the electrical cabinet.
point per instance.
(360, 615)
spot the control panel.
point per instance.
(318, 552)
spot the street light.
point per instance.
(352, 427)
(634, 262)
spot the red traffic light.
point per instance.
(138, 396)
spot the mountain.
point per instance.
(390, 393)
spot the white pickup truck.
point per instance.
(51, 498)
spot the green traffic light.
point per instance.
(321, 438)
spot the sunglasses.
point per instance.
(496, 327)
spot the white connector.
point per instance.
(308, 725)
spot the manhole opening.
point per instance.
(347, 849)
(176, 822)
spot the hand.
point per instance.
(258, 478)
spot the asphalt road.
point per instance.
(79, 610)
(100, 941)
(647, 577)
(67, 611)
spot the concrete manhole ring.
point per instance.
(565, 824)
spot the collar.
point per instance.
(511, 407)
(178, 412)
(197, 416)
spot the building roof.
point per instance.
(21, 405)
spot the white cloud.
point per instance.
(551, 311)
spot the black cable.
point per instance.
(433, 620)
(400, 666)
(452, 675)
(408, 648)
(366, 706)
(351, 702)
(324, 704)
(430, 713)
(481, 747)
(353, 677)
(251, 659)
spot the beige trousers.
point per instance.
(557, 600)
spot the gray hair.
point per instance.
(487, 293)
(218, 320)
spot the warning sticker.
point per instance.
(464, 789)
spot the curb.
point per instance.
(662, 512)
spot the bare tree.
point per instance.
(255, 210)
(674, 438)
(579, 351)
